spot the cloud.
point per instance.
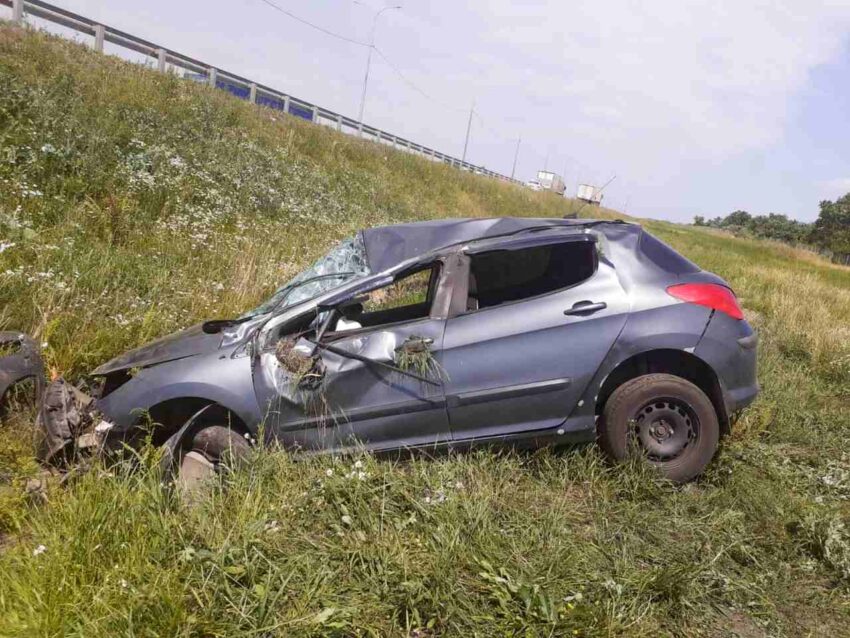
(698, 80)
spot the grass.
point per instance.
(139, 204)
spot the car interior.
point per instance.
(496, 277)
(408, 298)
(501, 276)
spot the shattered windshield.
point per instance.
(345, 262)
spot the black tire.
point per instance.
(213, 449)
(220, 445)
(666, 419)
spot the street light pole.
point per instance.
(369, 60)
(468, 128)
(516, 155)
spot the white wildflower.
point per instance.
(329, 472)
(39, 550)
(358, 464)
(346, 519)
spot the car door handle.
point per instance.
(585, 307)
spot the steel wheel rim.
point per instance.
(664, 428)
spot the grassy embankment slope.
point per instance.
(138, 203)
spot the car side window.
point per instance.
(407, 291)
(502, 276)
(409, 297)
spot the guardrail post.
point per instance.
(99, 34)
(213, 78)
(18, 11)
(161, 60)
(286, 104)
(339, 122)
(315, 119)
(395, 142)
(252, 93)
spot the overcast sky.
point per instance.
(698, 108)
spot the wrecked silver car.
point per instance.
(450, 333)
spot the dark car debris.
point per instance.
(20, 361)
(438, 334)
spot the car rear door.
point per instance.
(520, 357)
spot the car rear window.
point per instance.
(503, 276)
(665, 257)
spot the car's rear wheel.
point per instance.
(666, 419)
(212, 449)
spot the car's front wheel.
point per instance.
(212, 448)
(666, 419)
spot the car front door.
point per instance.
(542, 314)
(365, 397)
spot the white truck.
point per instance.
(550, 182)
(590, 194)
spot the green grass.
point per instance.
(139, 203)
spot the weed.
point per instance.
(415, 355)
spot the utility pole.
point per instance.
(516, 155)
(369, 60)
(468, 128)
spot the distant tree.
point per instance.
(771, 226)
(832, 228)
(780, 227)
(699, 220)
(739, 218)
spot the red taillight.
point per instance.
(712, 296)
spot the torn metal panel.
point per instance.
(20, 359)
(65, 415)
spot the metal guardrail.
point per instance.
(235, 84)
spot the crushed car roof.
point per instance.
(388, 246)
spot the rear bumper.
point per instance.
(730, 347)
(740, 398)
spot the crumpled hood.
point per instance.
(187, 343)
